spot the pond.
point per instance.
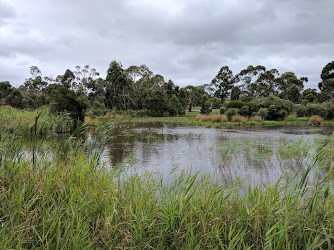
(255, 154)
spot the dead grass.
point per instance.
(256, 118)
(239, 118)
(316, 120)
(211, 118)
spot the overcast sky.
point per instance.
(187, 41)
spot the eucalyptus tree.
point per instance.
(288, 83)
(223, 82)
(35, 82)
(326, 86)
(140, 76)
(248, 79)
(118, 87)
(266, 83)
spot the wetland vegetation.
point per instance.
(83, 164)
(64, 193)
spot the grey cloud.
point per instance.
(186, 41)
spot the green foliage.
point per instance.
(222, 110)
(64, 100)
(223, 82)
(10, 96)
(289, 84)
(309, 95)
(277, 108)
(293, 94)
(316, 109)
(205, 105)
(327, 84)
(20, 121)
(97, 109)
(235, 93)
(231, 112)
(244, 111)
(235, 104)
(263, 112)
(300, 111)
(216, 102)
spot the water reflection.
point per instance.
(258, 154)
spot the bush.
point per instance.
(215, 102)
(235, 104)
(246, 99)
(239, 118)
(231, 112)
(291, 118)
(316, 109)
(301, 111)
(244, 110)
(205, 105)
(330, 108)
(263, 112)
(316, 120)
(97, 109)
(222, 110)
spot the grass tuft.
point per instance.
(239, 118)
(316, 120)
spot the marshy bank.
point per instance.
(78, 194)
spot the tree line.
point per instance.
(138, 88)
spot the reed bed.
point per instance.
(239, 118)
(16, 120)
(256, 118)
(74, 202)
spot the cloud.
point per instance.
(185, 40)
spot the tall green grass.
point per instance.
(72, 201)
(16, 120)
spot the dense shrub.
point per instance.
(263, 112)
(231, 112)
(216, 102)
(330, 107)
(277, 107)
(222, 110)
(246, 99)
(244, 110)
(205, 105)
(97, 109)
(253, 107)
(325, 110)
(235, 104)
(301, 111)
(316, 109)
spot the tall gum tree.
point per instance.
(326, 86)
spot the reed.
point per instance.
(239, 118)
(72, 201)
(16, 120)
(316, 120)
(256, 118)
(211, 118)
